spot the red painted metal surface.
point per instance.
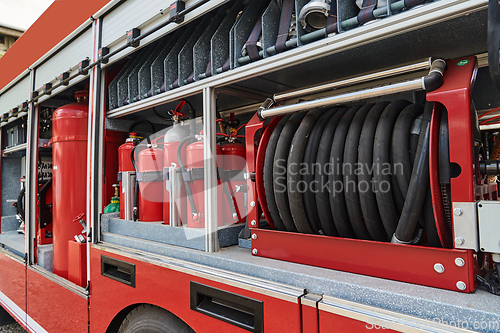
(13, 284)
(412, 264)
(69, 159)
(259, 168)
(54, 307)
(455, 95)
(109, 297)
(254, 125)
(437, 200)
(35, 42)
(328, 320)
(310, 319)
(151, 200)
(77, 265)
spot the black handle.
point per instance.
(231, 308)
(118, 270)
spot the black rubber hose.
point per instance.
(268, 174)
(382, 168)
(350, 171)
(294, 165)
(280, 172)
(20, 204)
(309, 196)
(321, 177)
(401, 145)
(368, 200)
(335, 178)
(418, 184)
(414, 138)
(143, 121)
(189, 192)
(494, 41)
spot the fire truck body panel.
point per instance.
(277, 280)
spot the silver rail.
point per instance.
(424, 65)
(407, 86)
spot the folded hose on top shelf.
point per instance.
(338, 172)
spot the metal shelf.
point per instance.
(446, 28)
(20, 147)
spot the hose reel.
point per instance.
(347, 187)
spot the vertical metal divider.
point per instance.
(31, 185)
(94, 149)
(210, 170)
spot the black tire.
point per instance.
(295, 160)
(280, 162)
(148, 318)
(309, 195)
(322, 196)
(367, 198)
(337, 198)
(268, 174)
(351, 190)
(382, 161)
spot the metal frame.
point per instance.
(31, 178)
(210, 171)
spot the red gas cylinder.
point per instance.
(69, 176)
(234, 164)
(150, 178)
(171, 141)
(195, 164)
(124, 165)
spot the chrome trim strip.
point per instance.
(12, 256)
(380, 318)
(253, 284)
(60, 281)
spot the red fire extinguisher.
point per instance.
(150, 179)
(193, 171)
(69, 153)
(234, 164)
(171, 142)
(126, 164)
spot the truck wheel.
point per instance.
(150, 318)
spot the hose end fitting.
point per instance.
(269, 102)
(434, 80)
(395, 240)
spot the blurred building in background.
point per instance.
(8, 35)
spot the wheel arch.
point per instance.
(120, 316)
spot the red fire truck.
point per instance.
(263, 166)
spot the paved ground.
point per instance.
(12, 328)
